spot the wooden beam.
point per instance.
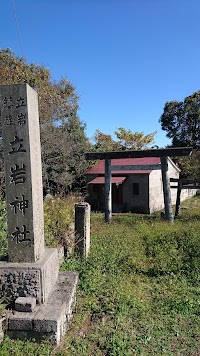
(108, 191)
(178, 198)
(171, 152)
(190, 187)
(166, 190)
(185, 186)
(185, 180)
(136, 167)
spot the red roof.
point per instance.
(100, 166)
(101, 180)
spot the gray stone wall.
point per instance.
(136, 203)
(188, 193)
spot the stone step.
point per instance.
(50, 319)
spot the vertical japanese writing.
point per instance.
(21, 235)
(13, 115)
(17, 145)
(20, 205)
(18, 174)
(9, 104)
(20, 102)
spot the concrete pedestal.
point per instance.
(35, 280)
(49, 320)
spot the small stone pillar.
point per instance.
(82, 229)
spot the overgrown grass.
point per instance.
(138, 291)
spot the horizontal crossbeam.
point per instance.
(171, 152)
(148, 167)
(185, 187)
(185, 181)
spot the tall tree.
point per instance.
(104, 142)
(181, 121)
(133, 141)
(62, 156)
(126, 140)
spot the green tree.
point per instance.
(181, 121)
(126, 140)
(62, 133)
(133, 141)
(67, 155)
(104, 142)
(190, 166)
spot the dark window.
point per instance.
(136, 190)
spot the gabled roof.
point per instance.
(99, 168)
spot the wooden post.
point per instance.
(166, 190)
(108, 191)
(178, 198)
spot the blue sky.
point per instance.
(126, 58)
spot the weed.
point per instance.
(138, 291)
(59, 219)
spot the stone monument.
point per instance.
(30, 277)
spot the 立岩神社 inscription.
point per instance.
(23, 172)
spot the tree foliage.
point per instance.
(104, 142)
(190, 166)
(181, 121)
(133, 141)
(126, 140)
(62, 133)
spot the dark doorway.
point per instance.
(117, 198)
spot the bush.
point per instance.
(59, 218)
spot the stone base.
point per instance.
(30, 279)
(49, 320)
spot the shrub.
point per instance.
(59, 218)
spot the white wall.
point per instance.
(156, 200)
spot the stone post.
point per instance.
(23, 172)
(82, 229)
